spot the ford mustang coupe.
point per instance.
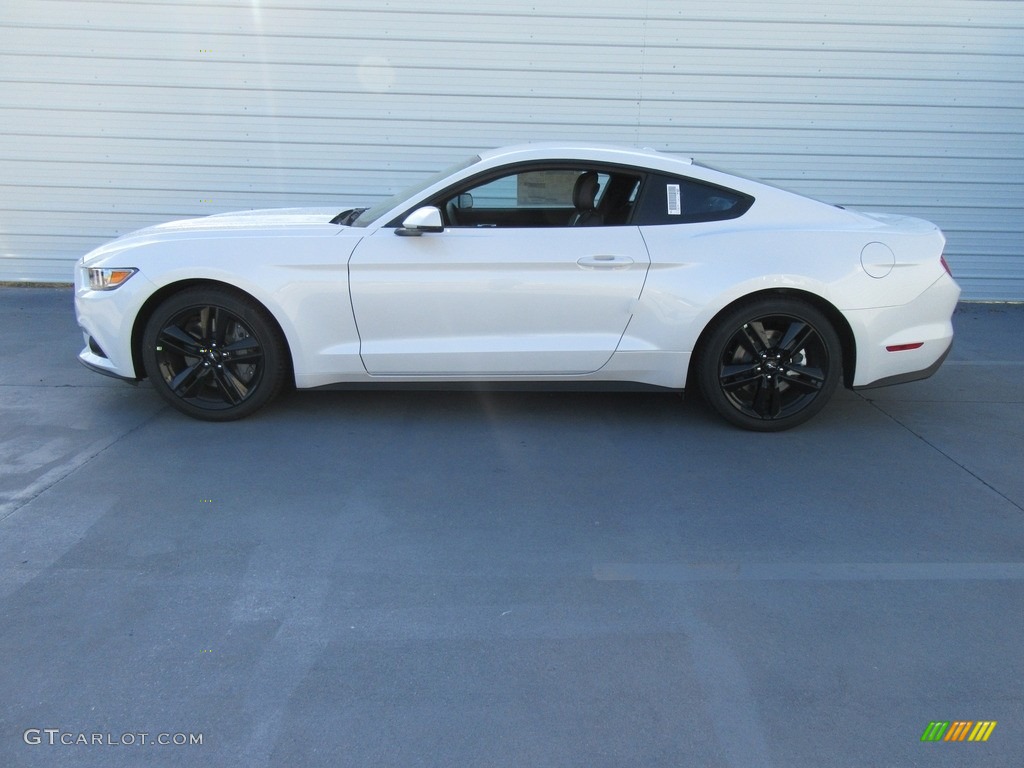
(558, 265)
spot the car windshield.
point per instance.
(372, 214)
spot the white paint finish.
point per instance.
(298, 273)
(560, 303)
(495, 301)
(877, 259)
(119, 114)
(925, 319)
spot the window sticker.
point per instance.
(546, 188)
(675, 207)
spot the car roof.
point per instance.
(647, 159)
(584, 151)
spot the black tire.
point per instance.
(214, 354)
(770, 364)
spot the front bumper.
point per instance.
(95, 359)
(106, 319)
(100, 364)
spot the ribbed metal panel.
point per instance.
(119, 114)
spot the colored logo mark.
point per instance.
(958, 730)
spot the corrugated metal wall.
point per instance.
(119, 114)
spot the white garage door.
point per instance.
(119, 114)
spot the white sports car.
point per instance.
(553, 264)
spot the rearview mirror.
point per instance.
(426, 219)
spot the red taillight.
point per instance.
(945, 265)
(904, 347)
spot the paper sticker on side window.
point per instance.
(674, 206)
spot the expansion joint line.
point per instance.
(941, 452)
(68, 468)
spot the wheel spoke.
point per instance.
(751, 337)
(760, 403)
(734, 377)
(234, 391)
(187, 379)
(177, 339)
(204, 324)
(796, 336)
(768, 401)
(220, 321)
(810, 379)
(244, 350)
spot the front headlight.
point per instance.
(109, 278)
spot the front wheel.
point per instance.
(214, 354)
(769, 365)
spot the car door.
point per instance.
(493, 298)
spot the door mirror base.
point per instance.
(421, 221)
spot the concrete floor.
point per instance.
(443, 579)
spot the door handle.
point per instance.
(604, 262)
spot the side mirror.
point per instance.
(426, 219)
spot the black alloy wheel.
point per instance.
(213, 354)
(770, 365)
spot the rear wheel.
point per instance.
(214, 354)
(770, 364)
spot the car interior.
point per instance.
(545, 198)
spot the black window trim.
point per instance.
(745, 203)
(493, 174)
(645, 175)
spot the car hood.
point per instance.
(272, 222)
(258, 219)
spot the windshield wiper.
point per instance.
(347, 217)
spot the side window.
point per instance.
(542, 197)
(674, 200)
(529, 190)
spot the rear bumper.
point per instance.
(903, 378)
(925, 322)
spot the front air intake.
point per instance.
(96, 349)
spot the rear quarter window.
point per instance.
(677, 200)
